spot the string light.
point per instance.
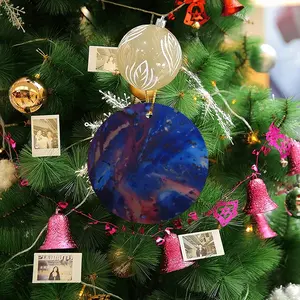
(252, 138)
(249, 228)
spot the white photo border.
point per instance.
(217, 241)
(76, 268)
(92, 63)
(45, 152)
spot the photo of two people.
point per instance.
(45, 140)
(45, 135)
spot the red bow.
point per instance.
(110, 229)
(10, 141)
(195, 12)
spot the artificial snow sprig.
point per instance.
(13, 13)
(114, 101)
(82, 172)
(211, 106)
(96, 124)
(290, 292)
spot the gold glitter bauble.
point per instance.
(121, 263)
(142, 95)
(27, 95)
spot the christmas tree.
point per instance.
(51, 201)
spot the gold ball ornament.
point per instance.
(142, 95)
(27, 95)
(121, 264)
(149, 57)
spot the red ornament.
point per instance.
(263, 228)
(173, 260)
(195, 12)
(258, 199)
(58, 233)
(231, 7)
(294, 159)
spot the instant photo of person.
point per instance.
(57, 267)
(102, 59)
(201, 245)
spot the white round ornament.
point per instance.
(149, 57)
(8, 174)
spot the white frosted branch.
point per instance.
(114, 101)
(13, 13)
(211, 107)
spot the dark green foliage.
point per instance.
(43, 172)
(75, 184)
(142, 249)
(56, 291)
(97, 264)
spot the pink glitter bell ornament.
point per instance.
(294, 159)
(263, 228)
(58, 233)
(259, 200)
(173, 260)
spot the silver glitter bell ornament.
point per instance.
(58, 233)
(267, 59)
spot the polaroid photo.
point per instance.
(201, 245)
(45, 135)
(57, 267)
(103, 59)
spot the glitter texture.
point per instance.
(294, 159)
(173, 260)
(258, 198)
(263, 228)
(224, 211)
(58, 234)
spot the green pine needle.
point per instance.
(96, 265)
(55, 291)
(143, 251)
(43, 173)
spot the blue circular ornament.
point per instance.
(148, 170)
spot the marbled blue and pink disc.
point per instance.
(148, 170)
